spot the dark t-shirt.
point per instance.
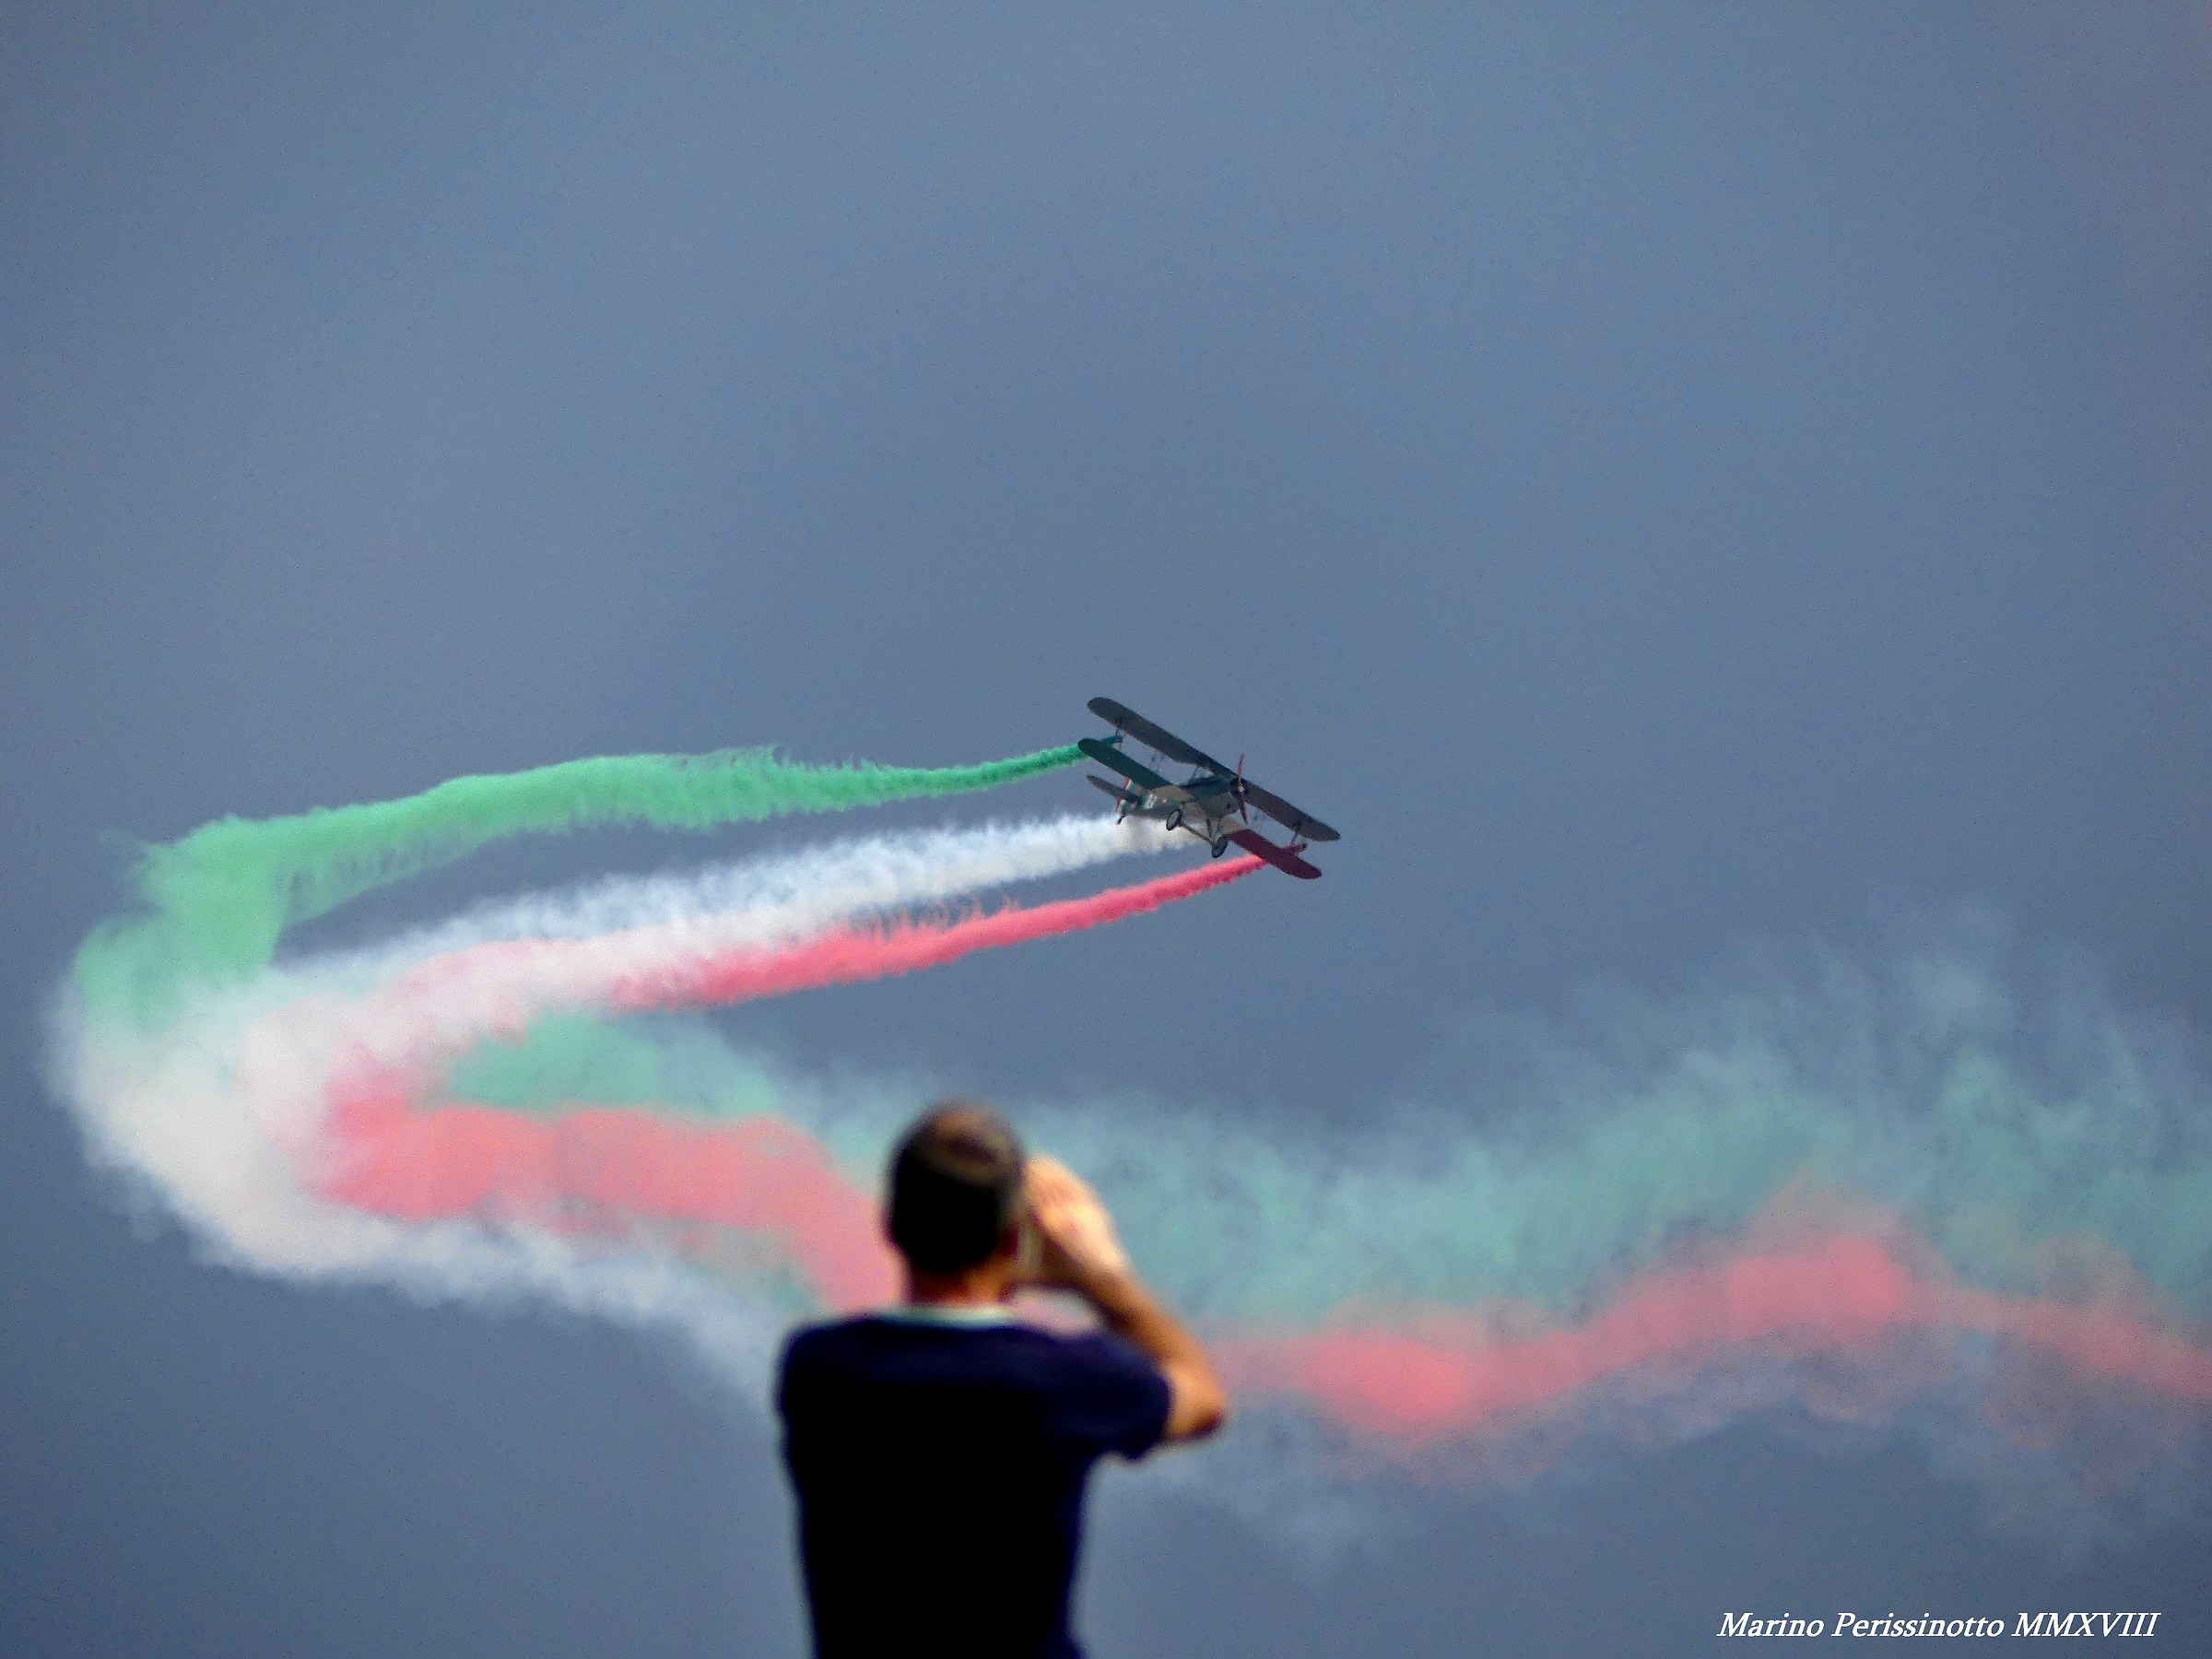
(939, 1469)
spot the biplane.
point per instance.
(1214, 803)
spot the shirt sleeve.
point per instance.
(1114, 1398)
(783, 1369)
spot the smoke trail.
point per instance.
(513, 982)
(224, 895)
(220, 1109)
(457, 1160)
(603, 1172)
(506, 965)
(2030, 1134)
(798, 891)
(1424, 1375)
(1410, 1375)
(1850, 1192)
(1934, 1193)
(847, 957)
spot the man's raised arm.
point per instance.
(1075, 1250)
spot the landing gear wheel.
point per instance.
(1220, 845)
(1174, 818)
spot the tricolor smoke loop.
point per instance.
(1852, 1201)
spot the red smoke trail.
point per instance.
(850, 955)
(1843, 1293)
(1449, 1375)
(594, 1170)
(2102, 1342)
(529, 975)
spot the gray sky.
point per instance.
(1653, 477)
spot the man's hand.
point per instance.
(1071, 1246)
(1072, 1243)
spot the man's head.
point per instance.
(955, 1188)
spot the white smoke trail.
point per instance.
(795, 892)
(497, 968)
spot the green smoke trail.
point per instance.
(221, 898)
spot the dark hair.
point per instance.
(956, 1184)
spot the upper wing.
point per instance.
(1282, 858)
(1152, 736)
(1289, 816)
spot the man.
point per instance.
(939, 1450)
